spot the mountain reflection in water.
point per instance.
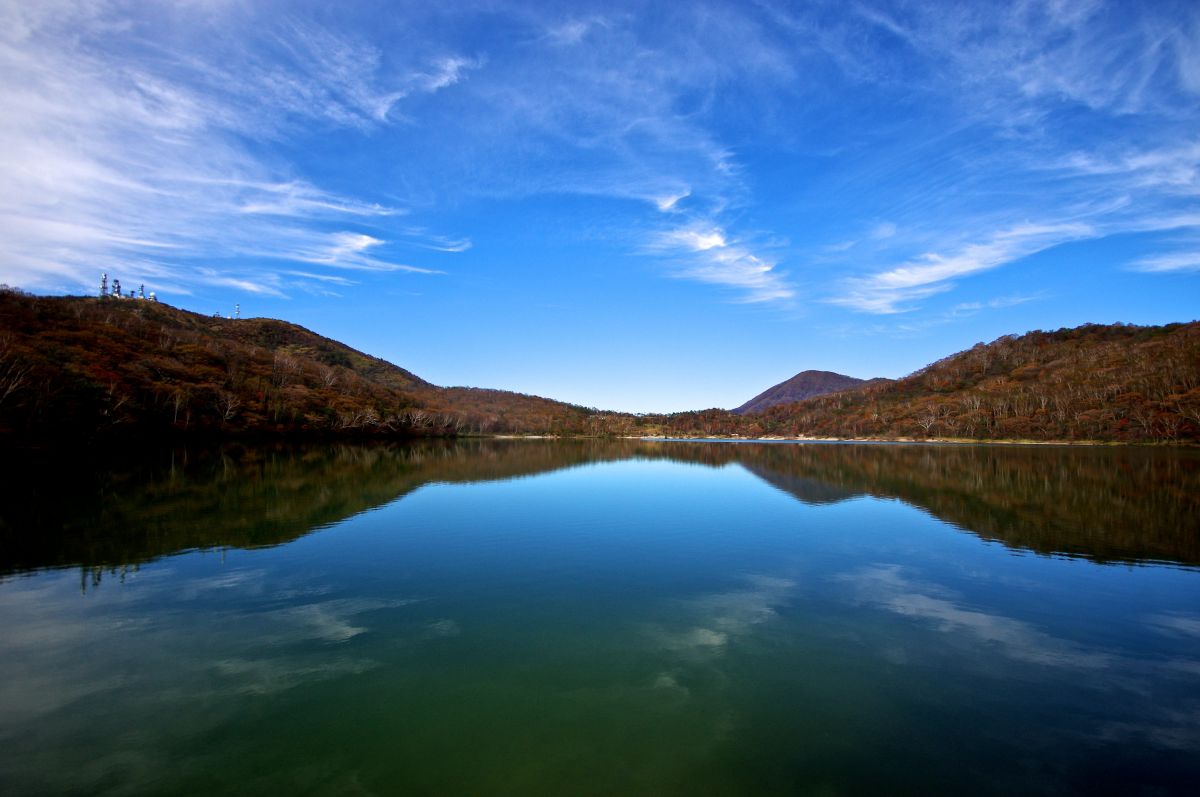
(1107, 504)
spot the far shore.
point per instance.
(937, 440)
(940, 440)
(807, 439)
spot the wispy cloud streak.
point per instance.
(707, 255)
(1040, 109)
(1177, 262)
(132, 161)
(892, 291)
(899, 148)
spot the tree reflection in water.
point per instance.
(1107, 504)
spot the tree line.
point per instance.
(74, 367)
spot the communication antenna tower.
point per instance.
(142, 291)
(237, 310)
(104, 284)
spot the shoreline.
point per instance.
(917, 440)
(807, 439)
(14, 443)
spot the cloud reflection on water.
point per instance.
(715, 619)
(59, 651)
(886, 586)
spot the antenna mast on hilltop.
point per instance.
(116, 293)
(237, 311)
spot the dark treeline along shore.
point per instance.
(74, 368)
(105, 516)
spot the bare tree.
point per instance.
(14, 374)
(179, 400)
(227, 405)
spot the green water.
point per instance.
(538, 617)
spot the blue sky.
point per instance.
(635, 206)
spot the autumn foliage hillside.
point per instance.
(80, 367)
(1118, 382)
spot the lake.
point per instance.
(586, 617)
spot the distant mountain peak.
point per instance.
(805, 384)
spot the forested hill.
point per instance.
(85, 368)
(80, 367)
(1117, 382)
(805, 384)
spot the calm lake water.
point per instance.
(538, 617)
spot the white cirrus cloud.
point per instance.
(706, 254)
(894, 290)
(1177, 262)
(120, 154)
(668, 202)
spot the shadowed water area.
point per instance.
(584, 617)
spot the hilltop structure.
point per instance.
(116, 293)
